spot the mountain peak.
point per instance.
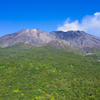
(34, 30)
(27, 30)
(36, 36)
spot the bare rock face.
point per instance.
(78, 38)
(34, 36)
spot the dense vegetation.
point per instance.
(13, 50)
(49, 74)
(95, 53)
(95, 56)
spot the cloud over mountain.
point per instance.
(89, 24)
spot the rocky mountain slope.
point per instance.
(64, 45)
(78, 38)
(37, 37)
(34, 36)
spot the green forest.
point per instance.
(43, 73)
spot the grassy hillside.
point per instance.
(92, 50)
(95, 53)
(13, 50)
(49, 74)
(95, 56)
(21, 47)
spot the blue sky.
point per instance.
(49, 15)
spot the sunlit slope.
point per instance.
(49, 74)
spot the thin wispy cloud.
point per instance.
(89, 24)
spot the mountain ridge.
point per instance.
(34, 36)
(37, 37)
(78, 38)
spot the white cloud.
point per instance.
(89, 24)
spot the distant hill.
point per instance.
(64, 45)
(78, 38)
